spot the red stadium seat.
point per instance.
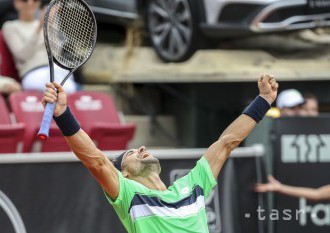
(11, 135)
(28, 109)
(98, 116)
(7, 64)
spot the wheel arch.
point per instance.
(141, 7)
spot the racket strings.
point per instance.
(71, 32)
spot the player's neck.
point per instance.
(26, 17)
(153, 181)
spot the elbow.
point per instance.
(229, 142)
(96, 162)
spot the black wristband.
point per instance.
(257, 109)
(67, 123)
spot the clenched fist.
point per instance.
(268, 88)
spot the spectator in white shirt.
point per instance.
(25, 40)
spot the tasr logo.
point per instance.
(318, 214)
(310, 148)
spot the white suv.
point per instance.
(178, 27)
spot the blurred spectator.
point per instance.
(313, 194)
(24, 38)
(273, 112)
(290, 103)
(8, 85)
(311, 105)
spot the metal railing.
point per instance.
(193, 153)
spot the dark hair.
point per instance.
(310, 96)
(117, 161)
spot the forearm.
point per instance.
(80, 143)
(237, 131)
(307, 193)
(218, 152)
(312, 194)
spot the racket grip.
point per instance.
(46, 121)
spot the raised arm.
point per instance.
(81, 144)
(313, 194)
(237, 131)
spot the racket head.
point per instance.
(70, 32)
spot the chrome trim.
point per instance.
(214, 7)
(115, 13)
(291, 23)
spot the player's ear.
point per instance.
(125, 174)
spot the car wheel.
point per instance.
(172, 28)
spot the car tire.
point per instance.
(173, 30)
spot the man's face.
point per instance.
(294, 111)
(311, 107)
(27, 6)
(138, 162)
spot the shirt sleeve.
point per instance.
(126, 193)
(21, 50)
(202, 175)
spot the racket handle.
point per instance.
(46, 121)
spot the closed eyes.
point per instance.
(128, 153)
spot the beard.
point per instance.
(149, 166)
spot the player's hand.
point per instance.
(273, 185)
(55, 92)
(268, 88)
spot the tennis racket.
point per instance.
(70, 33)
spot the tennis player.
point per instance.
(132, 184)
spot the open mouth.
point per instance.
(145, 155)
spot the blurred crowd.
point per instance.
(25, 40)
(292, 103)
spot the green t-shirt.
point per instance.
(181, 208)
